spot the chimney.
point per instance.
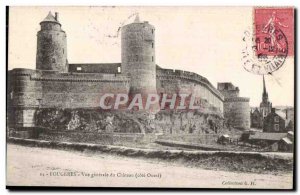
(56, 16)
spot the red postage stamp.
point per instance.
(271, 41)
(274, 31)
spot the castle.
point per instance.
(56, 83)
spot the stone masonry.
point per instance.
(57, 84)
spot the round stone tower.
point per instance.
(51, 45)
(138, 56)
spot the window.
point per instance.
(152, 45)
(152, 31)
(152, 59)
(63, 51)
(276, 127)
(119, 69)
(276, 119)
(78, 68)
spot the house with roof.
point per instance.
(256, 119)
(266, 140)
(224, 139)
(273, 122)
(283, 142)
(286, 144)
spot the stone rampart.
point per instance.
(189, 76)
(237, 112)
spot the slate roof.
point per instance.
(95, 67)
(225, 135)
(281, 113)
(50, 18)
(267, 136)
(291, 132)
(137, 19)
(287, 140)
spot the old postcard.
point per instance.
(154, 97)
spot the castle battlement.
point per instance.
(22, 72)
(188, 76)
(237, 99)
(80, 80)
(39, 75)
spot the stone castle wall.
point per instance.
(22, 99)
(183, 82)
(33, 89)
(52, 89)
(237, 112)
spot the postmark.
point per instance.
(267, 45)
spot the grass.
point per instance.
(218, 160)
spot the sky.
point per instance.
(205, 40)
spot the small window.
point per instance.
(152, 59)
(78, 68)
(276, 127)
(63, 51)
(152, 45)
(119, 69)
(136, 58)
(276, 119)
(152, 31)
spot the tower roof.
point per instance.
(50, 18)
(265, 98)
(264, 86)
(137, 18)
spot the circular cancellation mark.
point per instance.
(264, 52)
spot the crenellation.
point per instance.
(192, 77)
(238, 99)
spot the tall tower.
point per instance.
(51, 45)
(138, 56)
(265, 93)
(265, 105)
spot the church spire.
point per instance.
(265, 105)
(265, 93)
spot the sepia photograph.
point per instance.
(150, 97)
